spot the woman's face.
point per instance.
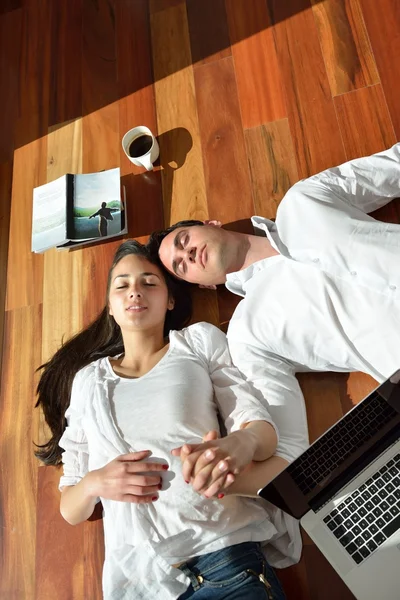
(138, 297)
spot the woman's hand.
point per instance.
(211, 466)
(127, 479)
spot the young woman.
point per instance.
(121, 399)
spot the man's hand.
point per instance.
(210, 467)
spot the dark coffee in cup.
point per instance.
(140, 146)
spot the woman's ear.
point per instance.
(110, 311)
(171, 303)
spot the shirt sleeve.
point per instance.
(366, 183)
(275, 379)
(238, 402)
(75, 457)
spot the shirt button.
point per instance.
(353, 273)
(392, 287)
(315, 260)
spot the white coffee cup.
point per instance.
(146, 150)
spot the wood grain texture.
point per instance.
(224, 152)
(324, 582)
(10, 51)
(208, 27)
(322, 396)
(346, 48)
(365, 123)
(382, 20)
(5, 204)
(66, 55)
(258, 77)
(87, 68)
(29, 172)
(137, 108)
(18, 474)
(100, 88)
(183, 183)
(30, 158)
(310, 108)
(59, 547)
(272, 162)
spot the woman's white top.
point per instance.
(177, 401)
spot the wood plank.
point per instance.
(101, 150)
(224, 151)
(137, 107)
(62, 312)
(364, 111)
(66, 57)
(295, 581)
(382, 20)
(258, 77)
(324, 582)
(346, 48)
(30, 158)
(357, 387)
(5, 202)
(101, 143)
(208, 27)
(272, 162)
(10, 55)
(322, 396)
(29, 171)
(183, 180)
(19, 466)
(55, 578)
(311, 113)
(9, 5)
(184, 192)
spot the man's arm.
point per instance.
(366, 183)
(275, 379)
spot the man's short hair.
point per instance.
(157, 237)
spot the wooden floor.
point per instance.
(247, 97)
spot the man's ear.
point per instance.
(213, 222)
(207, 287)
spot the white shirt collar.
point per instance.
(236, 282)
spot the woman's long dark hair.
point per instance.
(101, 338)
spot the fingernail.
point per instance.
(186, 481)
(155, 498)
(165, 467)
(220, 496)
(222, 466)
(209, 454)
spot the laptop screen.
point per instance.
(340, 454)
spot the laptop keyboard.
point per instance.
(370, 515)
(349, 434)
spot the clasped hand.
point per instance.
(211, 467)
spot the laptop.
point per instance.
(345, 489)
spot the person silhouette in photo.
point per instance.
(105, 215)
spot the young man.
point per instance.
(321, 285)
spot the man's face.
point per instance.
(197, 254)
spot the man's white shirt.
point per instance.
(330, 301)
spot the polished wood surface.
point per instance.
(246, 97)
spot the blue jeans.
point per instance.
(232, 573)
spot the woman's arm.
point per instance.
(124, 479)
(77, 502)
